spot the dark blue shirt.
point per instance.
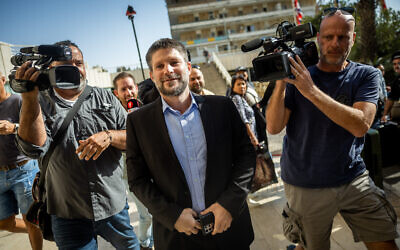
(317, 152)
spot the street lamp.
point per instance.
(130, 12)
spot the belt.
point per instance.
(13, 166)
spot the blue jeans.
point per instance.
(145, 232)
(82, 233)
(16, 189)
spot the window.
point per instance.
(220, 32)
(196, 18)
(265, 9)
(210, 15)
(212, 34)
(250, 28)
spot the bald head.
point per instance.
(338, 15)
(335, 39)
(196, 81)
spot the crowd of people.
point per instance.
(184, 154)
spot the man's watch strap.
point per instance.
(16, 128)
(109, 135)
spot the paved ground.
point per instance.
(265, 215)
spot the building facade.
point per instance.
(224, 25)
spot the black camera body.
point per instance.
(273, 63)
(64, 76)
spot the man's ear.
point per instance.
(115, 92)
(189, 64)
(151, 75)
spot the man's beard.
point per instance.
(338, 61)
(83, 84)
(197, 89)
(175, 91)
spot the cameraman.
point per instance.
(327, 109)
(86, 195)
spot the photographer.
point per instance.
(85, 192)
(327, 109)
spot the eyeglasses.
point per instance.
(332, 10)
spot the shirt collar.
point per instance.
(166, 107)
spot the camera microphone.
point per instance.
(253, 44)
(50, 50)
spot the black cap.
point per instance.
(396, 55)
(240, 68)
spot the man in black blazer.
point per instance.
(167, 170)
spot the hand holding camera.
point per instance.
(32, 69)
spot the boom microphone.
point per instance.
(253, 44)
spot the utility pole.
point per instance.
(130, 12)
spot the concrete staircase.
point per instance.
(213, 79)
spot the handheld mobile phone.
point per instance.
(206, 222)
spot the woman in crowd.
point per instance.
(265, 171)
(239, 88)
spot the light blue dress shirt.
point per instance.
(188, 139)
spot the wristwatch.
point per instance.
(16, 128)
(109, 135)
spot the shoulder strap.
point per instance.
(61, 131)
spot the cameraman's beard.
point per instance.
(82, 84)
(339, 61)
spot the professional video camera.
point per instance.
(63, 76)
(273, 63)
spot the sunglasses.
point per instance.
(332, 10)
(195, 66)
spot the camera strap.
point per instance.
(61, 132)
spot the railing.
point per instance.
(221, 69)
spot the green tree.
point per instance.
(367, 42)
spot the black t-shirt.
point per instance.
(394, 94)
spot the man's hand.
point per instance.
(94, 145)
(186, 223)
(303, 80)
(6, 127)
(223, 218)
(28, 73)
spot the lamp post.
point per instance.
(130, 12)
